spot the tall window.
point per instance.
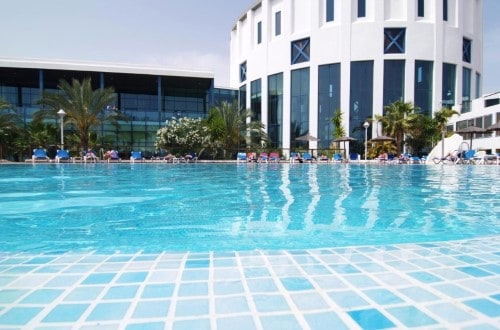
(256, 100)
(330, 10)
(421, 8)
(394, 81)
(394, 40)
(328, 101)
(299, 120)
(275, 109)
(259, 32)
(445, 10)
(361, 98)
(466, 89)
(423, 86)
(467, 50)
(448, 94)
(300, 51)
(243, 71)
(243, 97)
(277, 23)
(361, 8)
(478, 85)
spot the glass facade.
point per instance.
(147, 99)
(394, 81)
(299, 116)
(361, 97)
(256, 100)
(301, 51)
(424, 86)
(328, 101)
(449, 82)
(394, 40)
(275, 109)
(466, 90)
(330, 10)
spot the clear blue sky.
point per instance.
(181, 34)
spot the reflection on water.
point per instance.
(202, 207)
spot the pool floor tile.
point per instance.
(371, 319)
(430, 285)
(66, 313)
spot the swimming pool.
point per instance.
(225, 207)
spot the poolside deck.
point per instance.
(448, 285)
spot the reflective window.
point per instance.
(277, 23)
(449, 78)
(330, 10)
(243, 97)
(300, 51)
(299, 120)
(328, 101)
(421, 8)
(445, 10)
(394, 40)
(259, 32)
(361, 8)
(275, 109)
(466, 90)
(243, 71)
(256, 99)
(467, 50)
(478, 85)
(423, 86)
(394, 81)
(361, 98)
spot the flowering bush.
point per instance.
(187, 133)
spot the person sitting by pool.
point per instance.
(251, 157)
(383, 156)
(298, 158)
(90, 155)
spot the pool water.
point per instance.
(126, 208)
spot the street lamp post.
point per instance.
(366, 124)
(61, 114)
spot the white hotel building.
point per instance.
(296, 61)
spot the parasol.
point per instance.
(471, 130)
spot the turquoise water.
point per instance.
(224, 207)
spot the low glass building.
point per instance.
(147, 95)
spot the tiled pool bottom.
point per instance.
(432, 286)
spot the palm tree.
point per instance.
(85, 108)
(229, 128)
(9, 123)
(396, 121)
(338, 129)
(441, 118)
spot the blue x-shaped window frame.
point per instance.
(466, 50)
(300, 51)
(396, 40)
(243, 71)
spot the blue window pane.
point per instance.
(277, 22)
(301, 51)
(394, 81)
(330, 13)
(361, 98)
(467, 50)
(449, 79)
(275, 109)
(423, 86)
(394, 40)
(421, 8)
(361, 8)
(243, 71)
